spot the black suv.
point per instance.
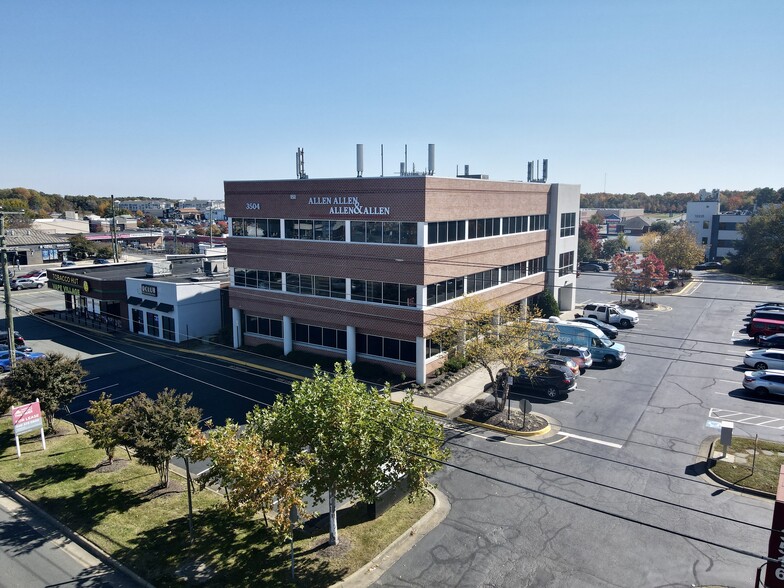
(586, 266)
(554, 382)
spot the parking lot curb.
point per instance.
(376, 567)
(543, 431)
(72, 535)
(710, 462)
(425, 408)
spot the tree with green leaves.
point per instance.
(660, 226)
(104, 252)
(104, 428)
(612, 247)
(761, 251)
(157, 429)
(257, 474)
(678, 249)
(358, 442)
(81, 248)
(588, 245)
(545, 304)
(55, 380)
(495, 338)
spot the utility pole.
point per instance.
(210, 225)
(115, 255)
(9, 312)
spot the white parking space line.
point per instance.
(747, 418)
(599, 441)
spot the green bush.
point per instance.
(546, 304)
(455, 363)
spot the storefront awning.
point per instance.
(163, 307)
(148, 304)
(134, 300)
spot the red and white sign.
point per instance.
(26, 417)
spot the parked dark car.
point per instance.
(605, 265)
(589, 267)
(101, 260)
(766, 308)
(776, 340)
(553, 382)
(637, 287)
(608, 330)
(67, 263)
(708, 265)
(18, 339)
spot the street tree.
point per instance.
(678, 249)
(257, 474)
(623, 264)
(358, 442)
(611, 247)
(660, 226)
(496, 339)
(761, 251)
(588, 244)
(652, 272)
(157, 429)
(104, 428)
(81, 248)
(648, 241)
(104, 252)
(55, 380)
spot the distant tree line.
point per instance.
(676, 203)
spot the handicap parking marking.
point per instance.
(747, 418)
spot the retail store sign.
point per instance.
(149, 290)
(348, 205)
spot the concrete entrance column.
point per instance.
(288, 339)
(421, 376)
(236, 327)
(351, 344)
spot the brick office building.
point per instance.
(357, 267)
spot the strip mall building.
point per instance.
(356, 268)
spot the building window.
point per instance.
(259, 325)
(256, 227)
(537, 222)
(484, 227)
(386, 347)
(566, 263)
(260, 279)
(445, 231)
(152, 324)
(482, 280)
(536, 266)
(515, 224)
(320, 336)
(705, 225)
(446, 290)
(389, 232)
(512, 272)
(383, 293)
(704, 240)
(568, 220)
(168, 328)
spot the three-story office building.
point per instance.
(357, 268)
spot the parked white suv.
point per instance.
(612, 314)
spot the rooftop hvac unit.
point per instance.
(158, 268)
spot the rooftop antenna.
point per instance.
(301, 164)
(406, 160)
(360, 159)
(533, 174)
(382, 160)
(431, 159)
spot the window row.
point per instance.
(383, 292)
(391, 232)
(448, 231)
(256, 227)
(315, 229)
(321, 336)
(316, 285)
(260, 279)
(337, 339)
(566, 263)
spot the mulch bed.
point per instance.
(482, 411)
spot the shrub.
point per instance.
(455, 363)
(545, 302)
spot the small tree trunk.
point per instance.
(333, 519)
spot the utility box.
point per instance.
(726, 433)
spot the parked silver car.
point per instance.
(764, 382)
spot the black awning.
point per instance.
(163, 307)
(148, 304)
(134, 300)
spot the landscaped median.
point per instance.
(511, 421)
(120, 509)
(749, 464)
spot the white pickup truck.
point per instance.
(611, 314)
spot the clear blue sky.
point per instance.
(169, 99)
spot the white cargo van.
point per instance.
(603, 350)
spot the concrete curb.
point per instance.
(425, 408)
(376, 567)
(706, 450)
(85, 544)
(541, 431)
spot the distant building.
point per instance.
(718, 232)
(145, 206)
(31, 246)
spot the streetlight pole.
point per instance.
(114, 234)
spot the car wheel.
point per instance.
(626, 323)
(39, 285)
(610, 361)
(761, 391)
(2, 369)
(582, 370)
(760, 365)
(551, 392)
